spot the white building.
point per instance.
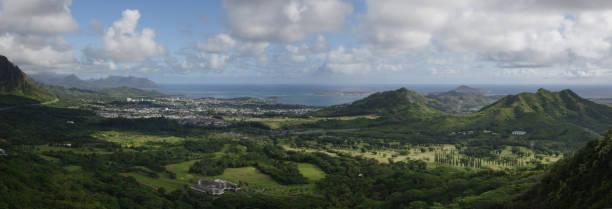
(215, 187)
(519, 133)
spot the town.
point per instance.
(201, 112)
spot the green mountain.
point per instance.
(581, 181)
(463, 99)
(16, 83)
(562, 106)
(100, 94)
(73, 81)
(398, 103)
(559, 121)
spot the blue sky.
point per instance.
(314, 41)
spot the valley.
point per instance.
(394, 148)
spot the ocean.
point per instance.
(326, 95)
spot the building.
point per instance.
(519, 133)
(215, 187)
(2, 152)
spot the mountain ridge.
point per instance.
(73, 81)
(395, 102)
(463, 99)
(15, 82)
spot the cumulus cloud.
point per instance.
(218, 43)
(43, 17)
(36, 50)
(403, 24)
(217, 61)
(252, 48)
(298, 54)
(124, 44)
(280, 20)
(29, 32)
(516, 34)
(360, 61)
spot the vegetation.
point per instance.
(14, 82)
(463, 99)
(581, 181)
(398, 103)
(410, 155)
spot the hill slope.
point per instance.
(463, 99)
(559, 121)
(72, 81)
(15, 82)
(564, 106)
(397, 103)
(581, 181)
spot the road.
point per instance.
(44, 103)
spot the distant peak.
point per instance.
(569, 91)
(72, 76)
(467, 89)
(543, 90)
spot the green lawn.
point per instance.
(250, 175)
(155, 183)
(182, 170)
(310, 171)
(425, 154)
(73, 168)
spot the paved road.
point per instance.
(44, 103)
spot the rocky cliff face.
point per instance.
(16, 82)
(12, 79)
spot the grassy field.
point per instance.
(310, 171)
(427, 154)
(182, 171)
(133, 139)
(250, 175)
(183, 177)
(278, 122)
(155, 183)
(73, 168)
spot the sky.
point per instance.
(314, 41)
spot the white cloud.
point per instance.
(403, 24)
(29, 32)
(360, 61)
(252, 48)
(217, 61)
(218, 43)
(36, 50)
(123, 43)
(298, 54)
(280, 20)
(41, 17)
(516, 34)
